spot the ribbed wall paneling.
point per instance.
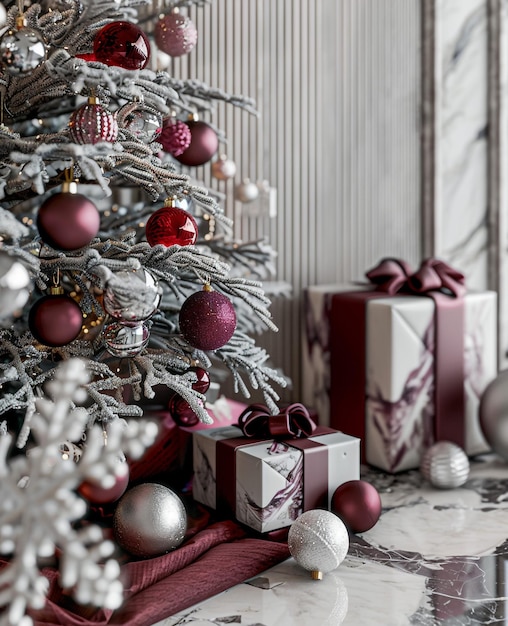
(337, 87)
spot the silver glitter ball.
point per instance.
(318, 541)
(149, 520)
(125, 341)
(445, 465)
(21, 51)
(15, 285)
(132, 296)
(493, 413)
(141, 120)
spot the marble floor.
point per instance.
(434, 557)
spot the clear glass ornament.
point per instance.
(22, 50)
(132, 296)
(141, 120)
(125, 341)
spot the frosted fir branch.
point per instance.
(37, 514)
(241, 354)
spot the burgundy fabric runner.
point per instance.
(215, 559)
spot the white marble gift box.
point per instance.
(268, 484)
(398, 380)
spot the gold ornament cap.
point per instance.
(316, 575)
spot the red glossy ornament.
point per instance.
(95, 493)
(122, 44)
(203, 382)
(92, 123)
(358, 504)
(55, 320)
(204, 144)
(171, 226)
(67, 220)
(175, 137)
(181, 412)
(175, 34)
(207, 319)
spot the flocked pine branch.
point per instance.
(39, 504)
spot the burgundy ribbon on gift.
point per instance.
(435, 279)
(293, 425)
(293, 421)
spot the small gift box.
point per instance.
(270, 469)
(402, 362)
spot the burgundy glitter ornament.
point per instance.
(175, 137)
(358, 504)
(207, 319)
(122, 44)
(55, 320)
(204, 144)
(92, 123)
(171, 226)
(175, 34)
(68, 220)
(181, 412)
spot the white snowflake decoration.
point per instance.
(39, 504)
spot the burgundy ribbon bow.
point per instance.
(394, 275)
(293, 421)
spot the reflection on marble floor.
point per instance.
(434, 557)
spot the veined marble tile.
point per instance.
(461, 136)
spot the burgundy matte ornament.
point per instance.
(92, 123)
(207, 319)
(68, 220)
(122, 44)
(171, 226)
(204, 144)
(181, 412)
(95, 493)
(358, 504)
(175, 137)
(55, 320)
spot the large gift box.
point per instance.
(267, 482)
(401, 363)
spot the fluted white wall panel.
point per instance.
(337, 85)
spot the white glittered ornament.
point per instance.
(445, 465)
(318, 541)
(223, 168)
(149, 520)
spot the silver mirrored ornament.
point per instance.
(132, 296)
(318, 540)
(21, 51)
(149, 520)
(125, 341)
(246, 191)
(493, 413)
(141, 120)
(15, 285)
(445, 465)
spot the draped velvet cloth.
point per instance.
(215, 558)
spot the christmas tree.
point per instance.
(104, 306)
